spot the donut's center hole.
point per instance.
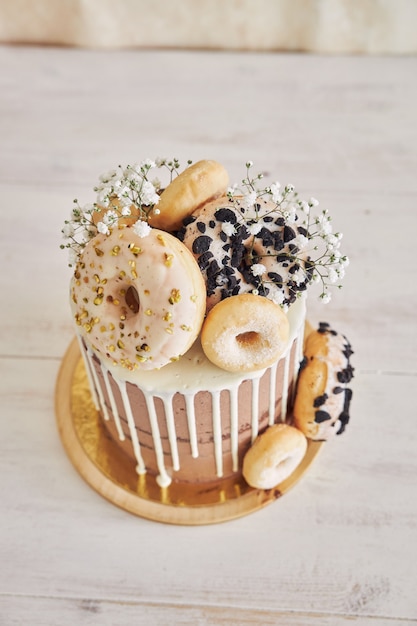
(248, 339)
(132, 299)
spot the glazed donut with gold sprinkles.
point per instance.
(139, 298)
(321, 407)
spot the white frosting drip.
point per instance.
(193, 375)
(272, 393)
(172, 435)
(234, 427)
(189, 404)
(163, 479)
(255, 408)
(140, 468)
(113, 405)
(217, 433)
(89, 356)
(90, 373)
(284, 400)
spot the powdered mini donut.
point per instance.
(245, 333)
(321, 407)
(140, 300)
(195, 186)
(274, 456)
(242, 248)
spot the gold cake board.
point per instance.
(111, 473)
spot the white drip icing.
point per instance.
(272, 391)
(192, 430)
(217, 432)
(255, 408)
(102, 400)
(234, 427)
(203, 380)
(88, 368)
(172, 435)
(163, 479)
(113, 405)
(284, 401)
(140, 468)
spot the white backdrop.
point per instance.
(327, 26)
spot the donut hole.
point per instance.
(248, 339)
(132, 299)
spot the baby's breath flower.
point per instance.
(228, 228)
(103, 228)
(255, 228)
(258, 269)
(141, 229)
(119, 192)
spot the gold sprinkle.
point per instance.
(169, 330)
(87, 327)
(100, 290)
(97, 278)
(98, 300)
(78, 283)
(168, 259)
(121, 325)
(123, 292)
(102, 329)
(148, 312)
(134, 274)
(146, 292)
(141, 358)
(122, 274)
(175, 296)
(123, 317)
(111, 348)
(120, 344)
(187, 328)
(96, 320)
(98, 252)
(135, 250)
(161, 239)
(116, 301)
(104, 281)
(111, 326)
(115, 250)
(77, 274)
(174, 358)
(167, 317)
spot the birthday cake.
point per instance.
(189, 304)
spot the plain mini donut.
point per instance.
(140, 301)
(245, 333)
(196, 185)
(274, 456)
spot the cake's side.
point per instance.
(201, 432)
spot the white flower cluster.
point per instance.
(124, 192)
(314, 239)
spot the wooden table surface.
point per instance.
(339, 548)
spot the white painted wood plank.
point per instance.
(18, 610)
(342, 542)
(328, 123)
